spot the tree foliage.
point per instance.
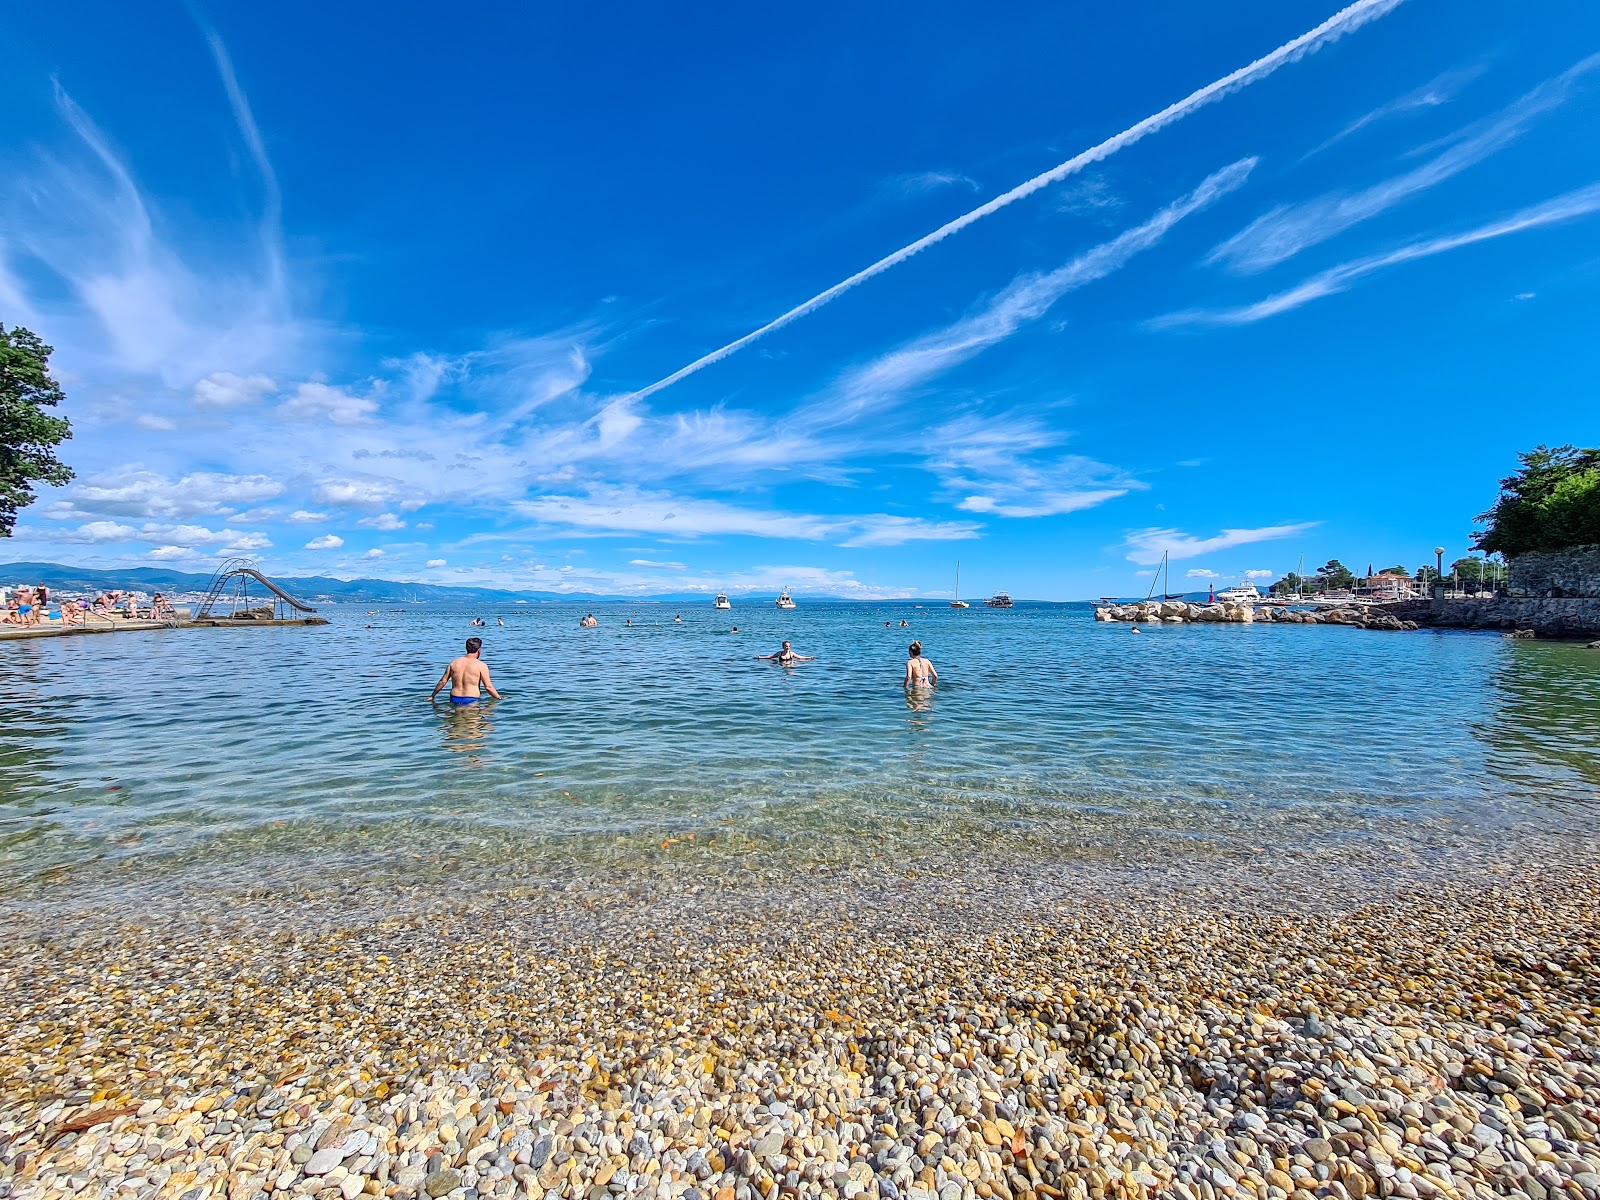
(1334, 574)
(1551, 503)
(28, 432)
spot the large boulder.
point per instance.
(1103, 614)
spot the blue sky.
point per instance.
(405, 294)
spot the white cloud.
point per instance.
(373, 553)
(328, 541)
(1146, 546)
(436, 562)
(1201, 573)
(301, 516)
(1570, 206)
(138, 493)
(629, 510)
(1259, 574)
(171, 553)
(317, 399)
(664, 566)
(1025, 299)
(97, 531)
(367, 492)
(154, 423)
(224, 389)
(921, 183)
(1440, 90)
(1007, 466)
(385, 521)
(1288, 229)
(1525, 295)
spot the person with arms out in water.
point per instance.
(785, 655)
(466, 675)
(919, 670)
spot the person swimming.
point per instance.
(588, 622)
(785, 655)
(919, 670)
(466, 675)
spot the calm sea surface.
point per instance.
(209, 746)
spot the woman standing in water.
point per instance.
(919, 670)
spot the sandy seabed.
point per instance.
(1270, 1024)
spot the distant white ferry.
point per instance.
(785, 601)
(722, 601)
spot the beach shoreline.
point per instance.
(985, 1025)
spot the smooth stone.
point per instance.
(324, 1160)
(440, 1182)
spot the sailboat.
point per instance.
(1163, 575)
(958, 602)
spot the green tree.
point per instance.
(28, 433)
(1551, 503)
(1428, 574)
(1468, 570)
(1394, 571)
(1290, 584)
(1334, 574)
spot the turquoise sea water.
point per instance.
(180, 747)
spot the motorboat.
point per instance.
(958, 602)
(1244, 593)
(999, 600)
(785, 601)
(722, 601)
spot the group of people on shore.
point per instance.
(30, 606)
(468, 675)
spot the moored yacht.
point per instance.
(999, 600)
(785, 601)
(958, 602)
(1243, 593)
(722, 601)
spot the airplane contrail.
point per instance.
(1346, 20)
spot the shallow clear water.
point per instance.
(189, 746)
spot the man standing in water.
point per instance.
(919, 671)
(784, 656)
(465, 675)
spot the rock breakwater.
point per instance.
(982, 1032)
(1178, 612)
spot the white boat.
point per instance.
(958, 602)
(785, 601)
(999, 600)
(722, 601)
(1244, 593)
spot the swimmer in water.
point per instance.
(500, 621)
(785, 655)
(466, 675)
(588, 622)
(1135, 629)
(904, 623)
(919, 670)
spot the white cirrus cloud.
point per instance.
(1440, 90)
(155, 423)
(1288, 229)
(1006, 465)
(328, 541)
(1579, 203)
(663, 566)
(224, 389)
(1347, 20)
(1146, 546)
(301, 516)
(1201, 573)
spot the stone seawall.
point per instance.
(1570, 617)
(1574, 571)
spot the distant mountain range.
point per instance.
(321, 587)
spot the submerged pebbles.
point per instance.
(1019, 1031)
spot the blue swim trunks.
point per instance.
(463, 699)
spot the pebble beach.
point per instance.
(1273, 1025)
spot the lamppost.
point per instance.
(1438, 554)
